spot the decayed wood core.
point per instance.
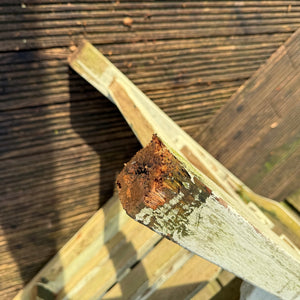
(154, 177)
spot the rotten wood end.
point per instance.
(154, 177)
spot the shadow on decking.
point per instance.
(28, 200)
(102, 143)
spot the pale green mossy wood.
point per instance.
(185, 206)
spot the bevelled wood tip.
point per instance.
(73, 56)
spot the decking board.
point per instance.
(256, 135)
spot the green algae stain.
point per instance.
(276, 157)
(243, 195)
(269, 166)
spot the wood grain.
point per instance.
(193, 276)
(256, 135)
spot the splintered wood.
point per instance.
(164, 192)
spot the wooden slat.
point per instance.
(102, 271)
(142, 115)
(258, 130)
(193, 276)
(158, 265)
(107, 221)
(108, 244)
(103, 251)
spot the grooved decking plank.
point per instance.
(256, 135)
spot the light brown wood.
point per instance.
(77, 252)
(210, 290)
(103, 271)
(159, 264)
(193, 276)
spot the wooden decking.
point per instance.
(62, 142)
(257, 134)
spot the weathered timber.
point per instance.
(257, 134)
(143, 116)
(160, 189)
(145, 119)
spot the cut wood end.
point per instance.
(72, 57)
(153, 177)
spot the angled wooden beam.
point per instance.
(163, 191)
(145, 118)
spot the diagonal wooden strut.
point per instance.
(145, 118)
